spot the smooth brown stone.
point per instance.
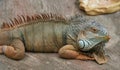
(97, 7)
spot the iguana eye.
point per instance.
(94, 30)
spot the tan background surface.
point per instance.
(51, 61)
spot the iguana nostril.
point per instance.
(107, 37)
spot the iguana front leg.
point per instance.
(70, 52)
(15, 51)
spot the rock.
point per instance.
(96, 7)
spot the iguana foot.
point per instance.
(69, 52)
(84, 57)
(15, 50)
(1, 49)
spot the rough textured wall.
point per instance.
(45, 61)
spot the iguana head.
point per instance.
(93, 34)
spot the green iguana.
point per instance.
(75, 38)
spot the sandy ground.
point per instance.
(51, 61)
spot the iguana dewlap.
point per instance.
(51, 33)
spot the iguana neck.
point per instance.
(72, 34)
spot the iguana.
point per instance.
(75, 38)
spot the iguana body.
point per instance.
(49, 33)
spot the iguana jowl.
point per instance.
(51, 33)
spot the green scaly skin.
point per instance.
(47, 36)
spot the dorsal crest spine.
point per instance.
(22, 20)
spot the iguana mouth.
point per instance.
(89, 43)
(95, 46)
